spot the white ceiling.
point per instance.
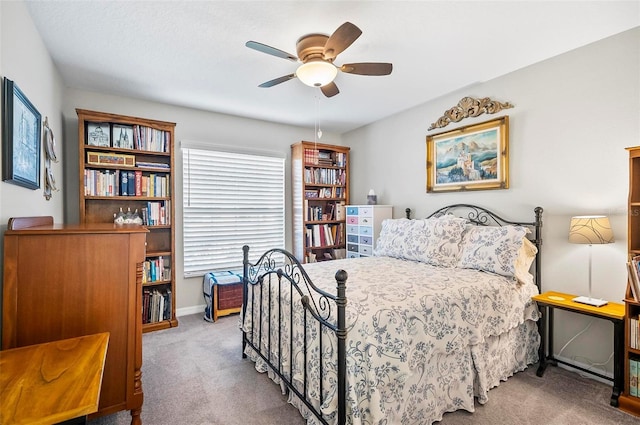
(193, 54)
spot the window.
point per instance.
(230, 200)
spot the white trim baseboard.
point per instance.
(586, 366)
(194, 309)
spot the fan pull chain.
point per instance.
(317, 130)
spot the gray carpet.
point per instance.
(194, 374)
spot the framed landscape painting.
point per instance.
(21, 140)
(475, 157)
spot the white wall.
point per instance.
(574, 115)
(25, 60)
(194, 126)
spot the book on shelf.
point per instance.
(138, 183)
(316, 236)
(146, 164)
(633, 377)
(340, 211)
(633, 332)
(131, 180)
(634, 278)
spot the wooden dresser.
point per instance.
(64, 281)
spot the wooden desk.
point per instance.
(52, 382)
(612, 311)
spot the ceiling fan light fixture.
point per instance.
(316, 73)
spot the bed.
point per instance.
(437, 317)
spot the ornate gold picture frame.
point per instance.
(475, 157)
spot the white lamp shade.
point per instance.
(590, 229)
(316, 74)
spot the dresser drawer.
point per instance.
(366, 240)
(352, 220)
(365, 250)
(365, 211)
(367, 221)
(351, 254)
(352, 247)
(352, 229)
(352, 210)
(352, 238)
(366, 230)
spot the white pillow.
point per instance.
(434, 241)
(491, 248)
(526, 255)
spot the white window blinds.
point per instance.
(230, 200)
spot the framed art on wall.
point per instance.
(21, 130)
(475, 157)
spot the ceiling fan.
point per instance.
(317, 53)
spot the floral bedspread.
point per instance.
(415, 332)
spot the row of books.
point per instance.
(318, 235)
(332, 211)
(156, 305)
(125, 183)
(325, 192)
(151, 139)
(325, 176)
(633, 269)
(157, 213)
(156, 270)
(322, 157)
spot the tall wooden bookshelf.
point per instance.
(629, 400)
(127, 164)
(320, 179)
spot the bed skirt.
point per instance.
(485, 365)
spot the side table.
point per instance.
(613, 312)
(52, 382)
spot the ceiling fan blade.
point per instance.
(341, 38)
(279, 80)
(330, 89)
(367, 68)
(270, 50)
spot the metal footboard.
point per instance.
(275, 288)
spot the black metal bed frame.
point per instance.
(277, 267)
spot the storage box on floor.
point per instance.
(222, 293)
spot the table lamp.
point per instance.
(592, 229)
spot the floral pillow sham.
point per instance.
(492, 249)
(449, 241)
(434, 241)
